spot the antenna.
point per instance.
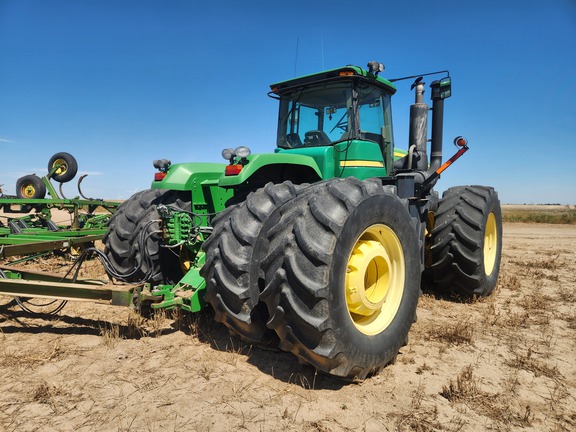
(322, 45)
(296, 56)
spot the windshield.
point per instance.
(325, 114)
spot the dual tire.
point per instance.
(234, 251)
(467, 242)
(333, 269)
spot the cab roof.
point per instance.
(343, 73)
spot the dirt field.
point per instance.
(503, 363)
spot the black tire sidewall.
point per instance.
(490, 281)
(387, 210)
(132, 215)
(457, 275)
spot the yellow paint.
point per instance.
(27, 190)
(362, 163)
(490, 244)
(375, 279)
(62, 168)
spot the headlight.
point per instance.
(228, 154)
(162, 164)
(242, 151)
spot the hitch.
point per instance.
(181, 233)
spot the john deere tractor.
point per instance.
(319, 247)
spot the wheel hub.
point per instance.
(375, 279)
(28, 191)
(62, 168)
(368, 277)
(490, 244)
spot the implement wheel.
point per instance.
(467, 241)
(233, 254)
(67, 167)
(133, 240)
(30, 187)
(343, 277)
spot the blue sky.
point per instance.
(120, 83)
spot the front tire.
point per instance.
(343, 277)
(233, 254)
(467, 241)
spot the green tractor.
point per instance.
(320, 247)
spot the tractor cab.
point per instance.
(345, 108)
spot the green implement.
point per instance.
(27, 233)
(26, 220)
(25, 283)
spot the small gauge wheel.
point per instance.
(66, 167)
(30, 187)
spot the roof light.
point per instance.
(346, 73)
(159, 176)
(375, 67)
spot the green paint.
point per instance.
(201, 179)
(323, 158)
(188, 294)
(273, 161)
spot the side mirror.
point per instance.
(441, 89)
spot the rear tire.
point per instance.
(133, 241)
(233, 254)
(343, 277)
(467, 241)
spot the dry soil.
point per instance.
(502, 363)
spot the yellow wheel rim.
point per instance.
(27, 190)
(62, 168)
(490, 244)
(375, 279)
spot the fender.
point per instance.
(201, 181)
(278, 167)
(186, 176)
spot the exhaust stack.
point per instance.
(441, 89)
(418, 132)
